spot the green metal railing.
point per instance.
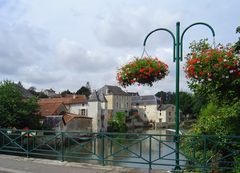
(155, 151)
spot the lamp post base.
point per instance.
(177, 169)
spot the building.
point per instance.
(97, 109)
(50, 93)
(147, 107)
(117, 99)
(151, 110)
(75, 104)
(66, 113)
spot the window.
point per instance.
(170, 113)
(83, 112)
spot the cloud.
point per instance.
(21, 46)
(40, 75)
(127, 27)
(73, 56)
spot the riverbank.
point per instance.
(16, 164)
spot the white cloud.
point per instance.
(127, 27)
(73, 56)
(89, 40)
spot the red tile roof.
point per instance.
(69, 116)
(52, 108)
(74, 99)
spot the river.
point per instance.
(160, 147)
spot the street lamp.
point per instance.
(177, 56)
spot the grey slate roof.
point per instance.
(97, 96)
(165, 106)
(112, 90)
(146, 100)
(25, 93)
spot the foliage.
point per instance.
(218, 121)
(64, 93)
(166, 97)
(15, 111)
(201, 45)
(40, 94)
(236, 46)
(238, 29)
(214, 71)
(214, 76)
(198, 102)
(190, 104)
(143, 71)
(84, 91)
(215, 120)
(118, 123)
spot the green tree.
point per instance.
(221, 114)
(236, 46)
(84, 91)
(118, 123)
(16, 111)
(186, 103)
(64, 93)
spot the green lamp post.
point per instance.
(177, 56)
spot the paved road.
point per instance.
(15, 164)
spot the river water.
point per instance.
(162, 151)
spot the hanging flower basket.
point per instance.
(143, 71)
(219, 64)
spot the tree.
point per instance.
(64, 93)
(88, 86)
(215, 78)
(16, 111)
(118, 124)
(84, 91)
(236, 46)
(214, 73)
(238, 29)
(186, 103)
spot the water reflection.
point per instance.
(127, 150)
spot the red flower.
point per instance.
(220, 59)
(200, 73)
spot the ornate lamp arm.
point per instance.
(162, 29)
(198, 23)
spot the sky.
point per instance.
(63, 44)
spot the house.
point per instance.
(56, 113)
(51, 93)
(147, 107)
(167, 115)
(52, 113)
(25, 93)
(76, 123)
(97, 109)
(76, 104)
(117, 99)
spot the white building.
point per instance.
(147, 107)
(151, 110)
(97, 109)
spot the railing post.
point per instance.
(103, 148)
(27, 143)
(62, 146)
(150, 152)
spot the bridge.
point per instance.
(204, 153)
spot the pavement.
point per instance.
(16, 164)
